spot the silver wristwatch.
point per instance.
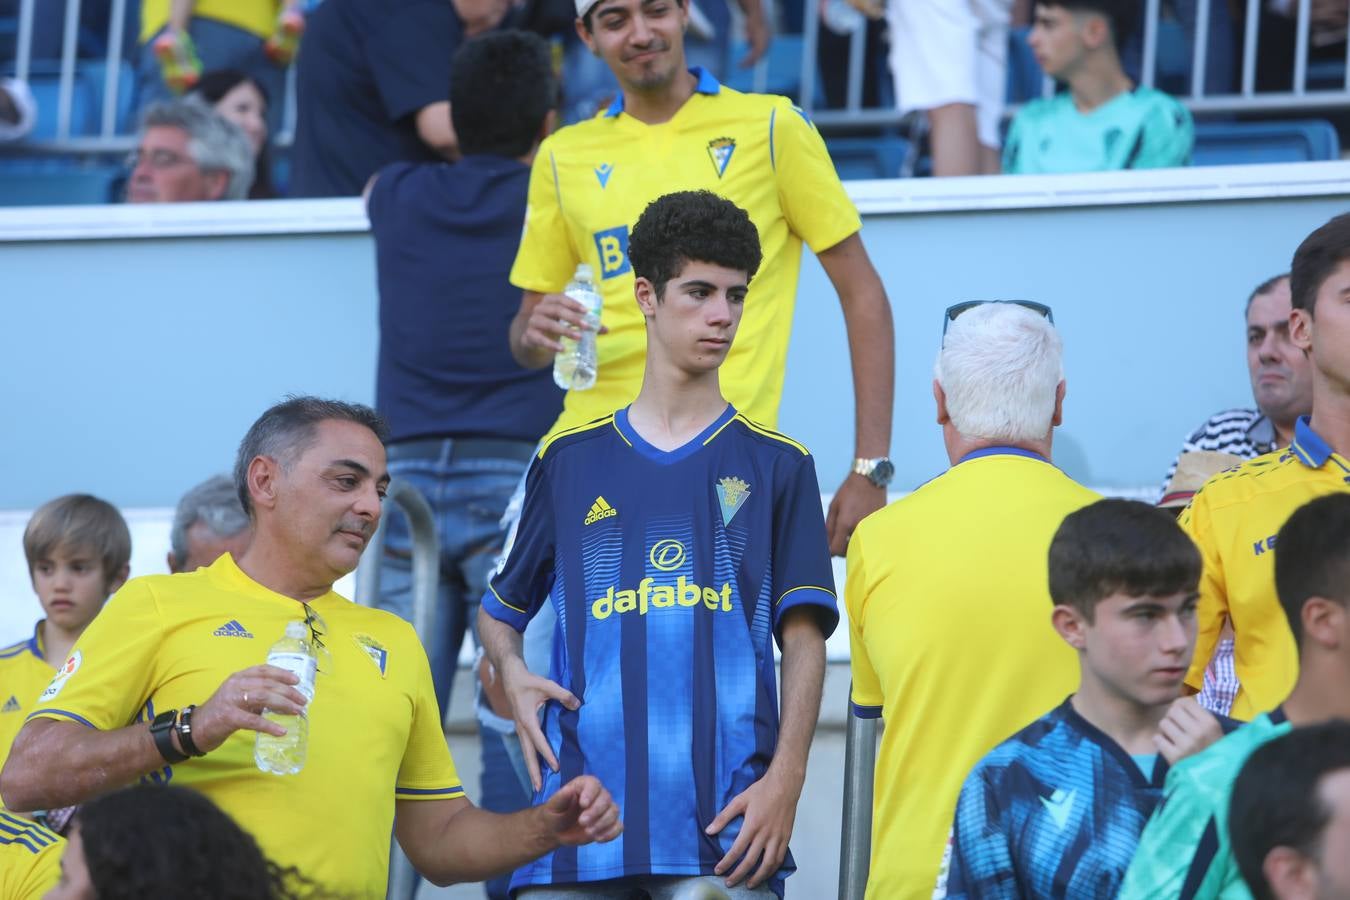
(879, 471)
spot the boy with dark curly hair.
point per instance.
(676, 539)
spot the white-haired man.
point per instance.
(947, 593)
(189, 153)
(209, 521)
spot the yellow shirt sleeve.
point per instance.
(427, 771)
(28, 874)
(546, 258)
(866, 695)
(1212, 610)
(111, 670)
(813, 200)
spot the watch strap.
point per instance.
(161, 729)
(184, 729)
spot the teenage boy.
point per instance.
(1101, 121)
(78, 549)
(1055, 810)
(676, 539)
(1185, 851)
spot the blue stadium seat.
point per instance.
(44, 78)
(1240, 143)
(877, 157)
(55, 182)
(785, 67)
(94, 72)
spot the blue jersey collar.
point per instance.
(707, 84)
(692, 446)
(1308, 445)
(1001, 451)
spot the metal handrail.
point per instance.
(855, 839)
(426, 562)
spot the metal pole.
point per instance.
(426, 561)
(857, 51)
(112, 73)
(1151, 14)
(1301, 46)
(24, 52)
(67, 89)
(810, 39)
(1249, 47)
(1198, 60)
(855, 844)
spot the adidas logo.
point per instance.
(232, 628)
(11, 705)
(600, 510)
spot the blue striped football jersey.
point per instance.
(670, 573)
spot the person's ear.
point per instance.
(586, 37)
(1071, 625)
(264, 482)
(217, 183)
(940, 397)
(1301, 329)
(645, 292)
(1060, 390)
(1289, 873)
(1324, 621)
(1096, 31)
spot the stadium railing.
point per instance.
(855, 839)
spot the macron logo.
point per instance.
(232, 628)
(1059, 805)
(600, 510)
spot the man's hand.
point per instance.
(770, 808)
(1187, 729)
(238, 703)
(528, 693)
(582, 812)
(553, 317)
(856, 498)
(757, 36)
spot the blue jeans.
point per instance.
(467, 498)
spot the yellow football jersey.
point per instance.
(30, 858)
(166, 641)
(256, 16)
(24, 672)
(591, 181)
(949, 608)
(1234, 519)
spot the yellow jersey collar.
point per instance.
(707, 84)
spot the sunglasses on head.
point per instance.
(956, 309)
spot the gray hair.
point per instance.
(287, 429)
(999, 367)
(215, 143)
(213, 503)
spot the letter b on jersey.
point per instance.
(612, 246)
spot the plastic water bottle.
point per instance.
(178, 60)
(284, 41)
(285, 755)
(574, 367)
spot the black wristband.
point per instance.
(161, 729)
(184, 729)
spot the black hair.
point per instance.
(1121, 15)
(1120, 546)
(588, 20)
(1316, 258)
(1312, 557)
(1264, 288)
(212, 87)
(153, 841)
(285, 430)
(1276, 801)
(501, 89)
(692, 226)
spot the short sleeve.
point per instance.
(866, 696)
(111, 670)
(383, 200)
(802, 573)
(427, 771)
(522, 586)
(1212, 610)
(546, 258)
(981, 862)
(409, 57)
(814, 202)
(1168, 136)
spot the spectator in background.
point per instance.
(1101, 121)
(372, 84)
(188, 153)
(240, 98)
(208, 522)
(947, 596)
(1289, 819)
(949, 59)
(1186, 848)
(1056, 809)
(464, 416)
(210, 35)
(30, 858)
(1234, 517)
(18, 110)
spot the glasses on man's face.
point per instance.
(318, 628)
(956, 309)
(156, 159)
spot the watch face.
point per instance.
(882, 473)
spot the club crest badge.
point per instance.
(732, 493)
(374, 650)
(719, 151)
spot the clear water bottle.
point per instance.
(285, 755)
(574, 367)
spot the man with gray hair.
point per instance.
(189, 153)
(947, 593)
(208, 522)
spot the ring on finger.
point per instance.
(246, 699)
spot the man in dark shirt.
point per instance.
(371, 87)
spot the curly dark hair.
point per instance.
(692, 226)
(154, 841)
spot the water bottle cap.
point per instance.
(584, 272)
(295, 630)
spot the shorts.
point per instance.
(952, 51)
